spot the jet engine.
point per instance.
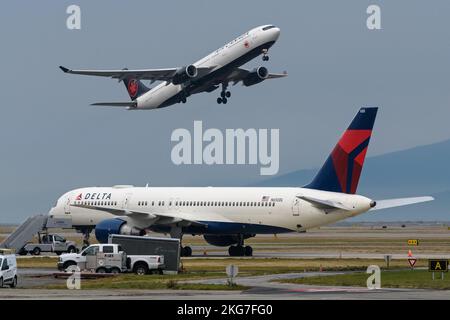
(256, 76)
(115, 226)
(185, 73)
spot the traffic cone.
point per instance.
(409, 254)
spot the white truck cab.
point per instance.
(8, 268)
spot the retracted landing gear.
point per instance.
(224, 94)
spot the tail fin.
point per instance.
(135, 87)
(342, 170)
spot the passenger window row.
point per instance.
(97, 203)
(211, 203)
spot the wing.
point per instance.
(141, 74)
(325, 204)
(159, 218)
(240, 74)
(130, 104)
(392, 203)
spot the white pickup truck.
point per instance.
(110, 258)
(49, 243)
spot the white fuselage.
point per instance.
(236, 52)
(260, 210)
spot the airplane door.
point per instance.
(67, 206)
(175, 204)
(296, 207)
(126, 201)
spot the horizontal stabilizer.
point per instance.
(392, 203)
(131, 104)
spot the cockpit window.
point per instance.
(268, 27)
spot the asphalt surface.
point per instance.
(263, 287)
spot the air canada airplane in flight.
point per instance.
(219, 68)
(228, 216)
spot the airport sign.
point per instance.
(413, 242)
(438, 265)
(412, 262)
(232, 270)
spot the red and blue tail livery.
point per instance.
(342, 170)
(135, 87)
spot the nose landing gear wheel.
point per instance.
(186, 251)
(265, 58)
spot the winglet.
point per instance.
(64, 69)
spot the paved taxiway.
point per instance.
(263, 287)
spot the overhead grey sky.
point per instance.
(53, 141)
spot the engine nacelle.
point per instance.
(184, 74)
(256, 76)
(224, 240)
(115, 226)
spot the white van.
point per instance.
(8, 268)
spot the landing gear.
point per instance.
(240, 250)
(222, 100)
(265, 57)
(86, 235)
(183, 97)
(176, 232)
(186, 251)
(224, 94)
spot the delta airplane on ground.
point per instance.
(220, 68)
(228, 216)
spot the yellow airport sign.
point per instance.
(413, 242)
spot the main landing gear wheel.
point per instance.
(183, 100)
(240, 251)
(186, 251)
(222, 100)
(224, 94)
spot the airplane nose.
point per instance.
(276, 32)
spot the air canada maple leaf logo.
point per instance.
(133, 87)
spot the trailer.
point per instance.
(169, 248)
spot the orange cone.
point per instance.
(409, 254)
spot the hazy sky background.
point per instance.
(53, 141)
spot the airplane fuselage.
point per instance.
(223, 60)
(221, 210)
